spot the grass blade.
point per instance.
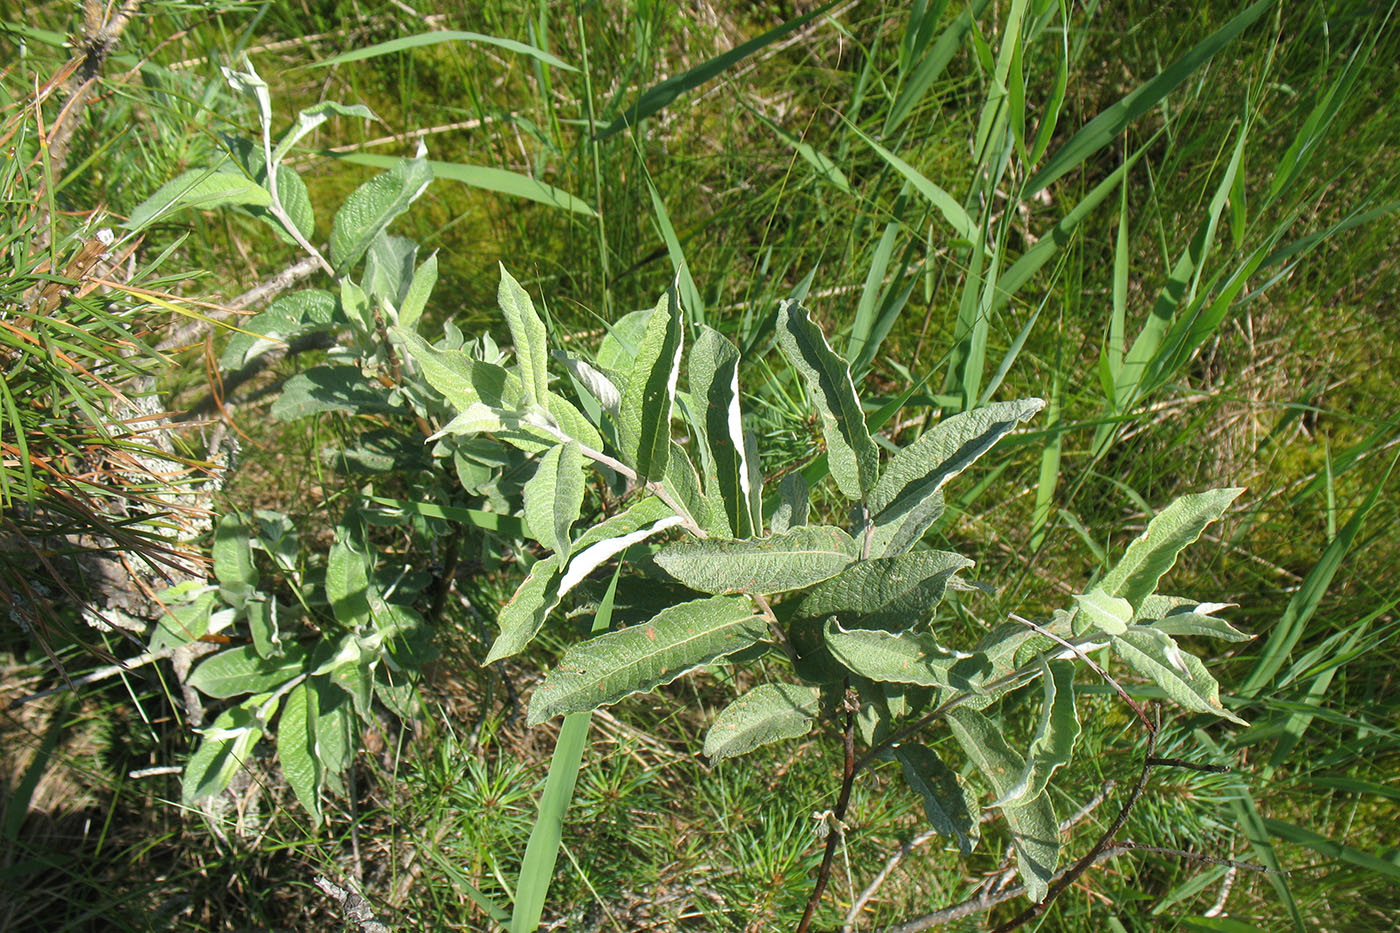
(658, 96)
(446, 35)
(1101, 130)
(487, 179)
(542, 851)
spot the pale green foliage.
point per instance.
(853, 608)
(767, 713)
(858, 607)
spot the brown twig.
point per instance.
(837, 831)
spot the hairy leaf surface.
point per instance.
(789, 561)
(296, 748)
(853, 458)
(521, 618)
(714, 385)
(908, 499)
(554, 497)
(892, 593)
(374, 205)
(767, 713)
(1183, 677)
(531, 339)
(1154, 552)
(1053, 743)
(951, 809)
(636, 659)
(905, 658)
(644, 419)
(1035, 834)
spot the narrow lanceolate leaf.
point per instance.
(951, 810)
(1199, 625)
(633, 660)
(296, 748)
(1035, 834)
(789, 561)
(907, 500)
(851, 454)
(1109, 614)
(1183, 677)
(767, 713)
(554, 497)
(893, 593)
(522, 618)
(1053, 743)
(226, 745)
(906, 658)
(592, 557)
(714, 384)
(644, 420)
(233, 561)
(240, 670)
(1154, 552)
(372, 207)
(531, 340)
(202, 188)
(460, 379)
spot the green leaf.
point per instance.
(853, 458)
(790, 561)
(905, 658)
(388, 269)
(419, 289)
(226, 745)
(947, 205)
(336, 732)
(714, 385)
(1053, 743)
(240, 670)
(331, 388)
(262, 626)
(1333, 850)
(951, 809)
(183, 622)
(794, 504)
(521, 619)
(233, 561)
(908, 500)
(644, 421)
(460, 379)
(486, 178)
(531, 339)
(892, 593)
(404, 43)
(554, 497)
(314, 116)
(372, 207)
(1190, 618)
(640, 658)
(302, 312)
(296, 748)
(659, 95)
(1111, 614)
(347, 573)
(1154, 552)
(200, 188)
(1035, 834)
(1183, 677)
(767, 713)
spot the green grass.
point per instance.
(809, 159)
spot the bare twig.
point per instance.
(357, 910)
(837, 831)
(102, 673)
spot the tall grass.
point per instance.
(1178, 225)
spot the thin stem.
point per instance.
(1105, 841)
(837, 831)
